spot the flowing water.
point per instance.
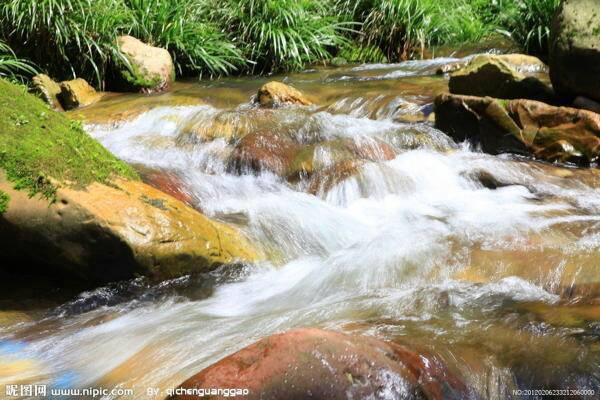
(489, 262)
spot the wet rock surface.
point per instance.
(48, 90)
(106, 233)
(521, 126)
(77, 93)
(489, 75)
(319, 364)
(274, 94)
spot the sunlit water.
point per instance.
(501, 283)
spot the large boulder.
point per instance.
(521, 126)
(148, 69)
(104, 233)
(489, 75)
(274, 94)
(71, 211)
(48, 90)
(320, 364)
(77, 93)
(575, 49)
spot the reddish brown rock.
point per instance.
(521, 126)
(324, 180)
(169, 183)
(263, 152)
(319, 364)
(372, 150)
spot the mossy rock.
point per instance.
(108, 233)
(72, 210)
(575, 49)
(489, 75)
(142, 67)
(39, 147)
(48, 90)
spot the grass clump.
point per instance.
(282, 34)
(4, 199)
(39, 147)
(402, 29)
(197, 44)
(68, 38)
(11, 66)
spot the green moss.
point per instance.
(39, 146)
(4, 199)
(138, 78)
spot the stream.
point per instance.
(489, 262)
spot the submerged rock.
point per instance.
(167, 182)
(150, 69)
(285, 157)
(320, 364)
(521, 126)
(489, 75)
(48, 90)
(104, 233)
(575, 49)
(265, 151)
(77, 93)
(274, 94)
(324, 180)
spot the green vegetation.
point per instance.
(283, 34)
(4, 199)
(69, 38)
(39, 146)
(12, 67)
(526, 21)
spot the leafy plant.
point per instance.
(65, 37)
(401, 28)
(283, 34)
(181, 26)
(11, 66)
(531, 28)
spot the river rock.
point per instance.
(104, 233)
(320, 364)
(489, 75)
(324, 180)
(48, 90)
(167, 182)
(263, 151)
(150, 69)
(274, 94)
(522, 63)
(575, 49)
(77, 93)
(281, 155)
(521, 126)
